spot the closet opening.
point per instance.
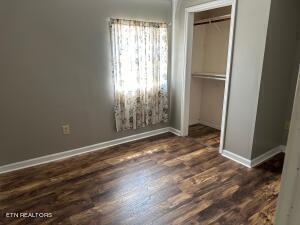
(208, 47)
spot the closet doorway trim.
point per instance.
(186, 77)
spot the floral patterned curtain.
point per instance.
(140, 64)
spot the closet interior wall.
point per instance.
(210, 49)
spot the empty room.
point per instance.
(138, 112)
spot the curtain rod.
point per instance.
(108, 19)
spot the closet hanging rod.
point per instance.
(213, 76)
(213, 20)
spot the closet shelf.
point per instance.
(213, 76)
(213, 20)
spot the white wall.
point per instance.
(292, 89)
(289, 197)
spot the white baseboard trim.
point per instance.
(86, 149)
(66, 154)
(256, 161)
(210, 124)
(175, 131)
(237, 158)
(194, 123)
(283, 148)
(269, 154)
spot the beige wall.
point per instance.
(197, 66)
(212, 103)
(195, 101)
(199, 44)
(210, 48)
(206, 102)
(216, 47)
(212, 13)
(55, 69)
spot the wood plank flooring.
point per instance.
(160, 180)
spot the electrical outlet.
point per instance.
(66, 129)
(287, 125)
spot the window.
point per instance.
(140, 64)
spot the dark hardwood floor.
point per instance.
(160, 180)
